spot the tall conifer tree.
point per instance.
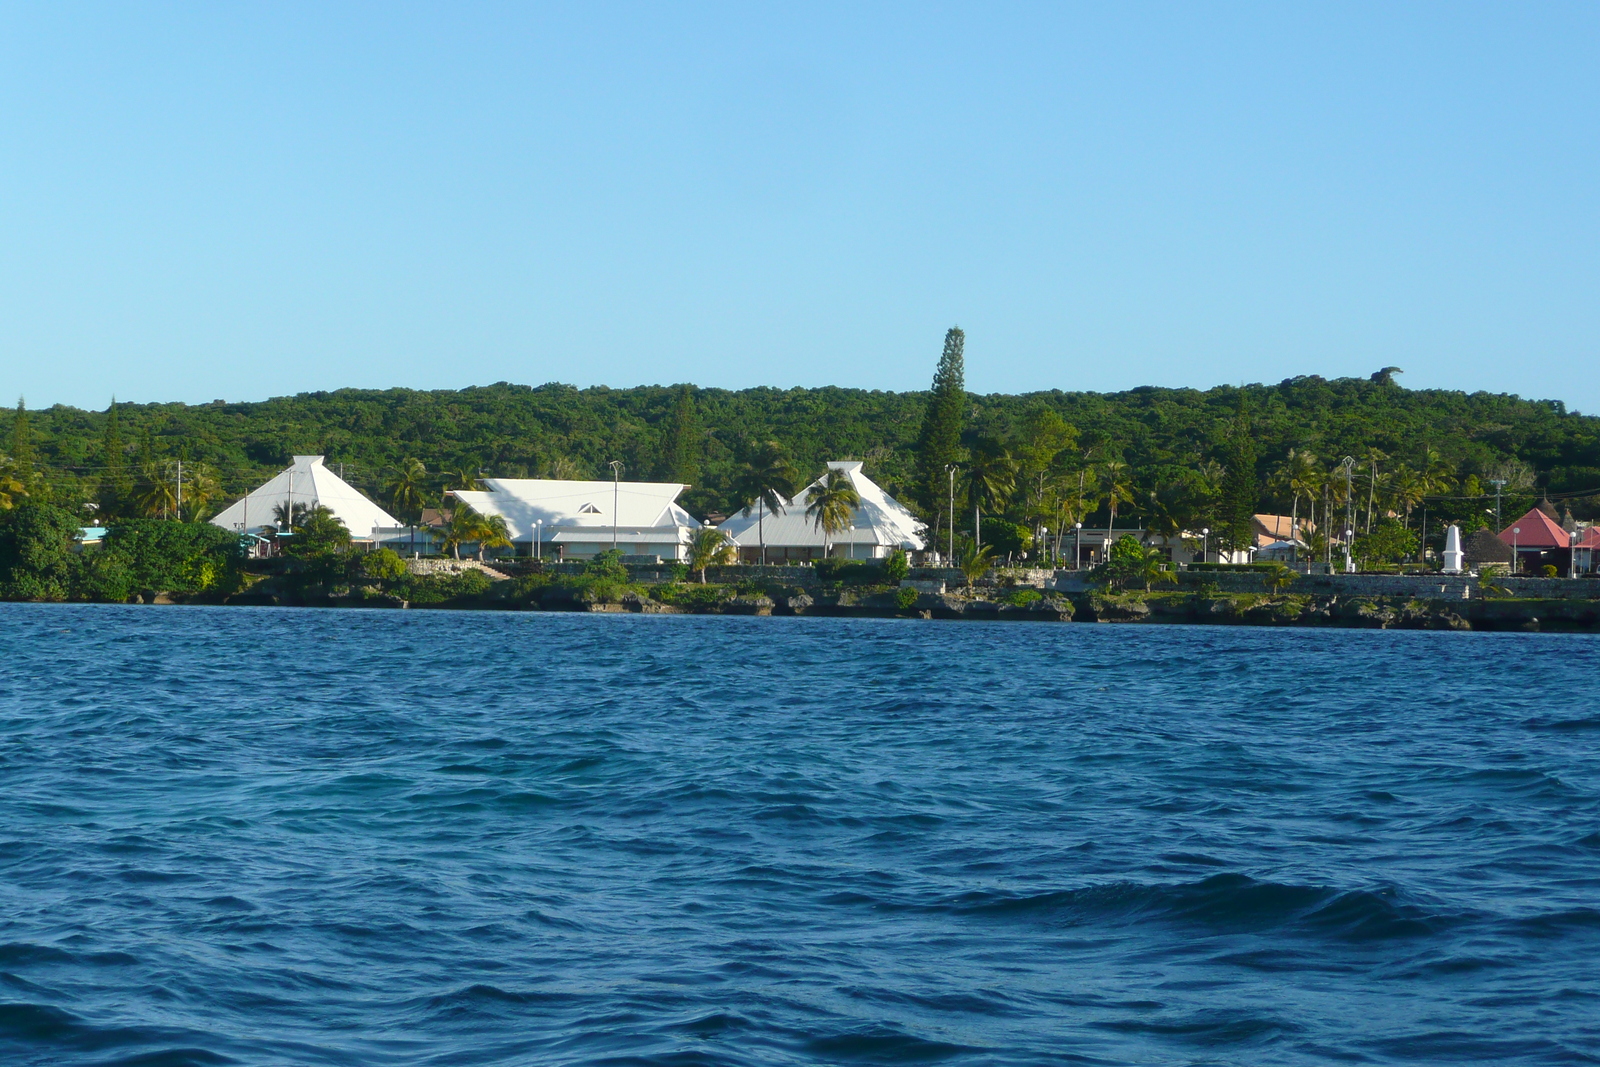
(22, 442)
(114, 486)
(940, 441)
(1239, 488)
(680, 441)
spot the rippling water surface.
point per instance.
(299, 837)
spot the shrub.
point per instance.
(604, 579)
(897, 566)
(1006, 537)
(1021, 598)
(849, 571)
(905, 598)
(1388, 543)
(526, 587)
(442, 588)
(384, 564)
(691, 596)
(1549, 571)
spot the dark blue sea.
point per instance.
(262, 836)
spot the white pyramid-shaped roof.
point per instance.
(880, 518)
(307, 482)
(559, 502)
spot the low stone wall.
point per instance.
(1413, 586)
(451, 566)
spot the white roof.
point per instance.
(880, 519)
(575, 505)
(307, 482)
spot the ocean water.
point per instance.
(300, 837)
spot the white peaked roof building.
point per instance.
(578, 520)
(879, 526)
(310, 483)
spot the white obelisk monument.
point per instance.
(1452, 551)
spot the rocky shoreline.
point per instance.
(1355, 612)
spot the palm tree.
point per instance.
(1407, 488)
(492, 532)
(1117, 483)
(831, 504)
(1370, 459)
(1436, 475)
(465, 526)
(991, 479)
(155, 495)
(464, 479)
(1154, 567)
(405, 488)
(200, 487)
(976, 563)
(767, 480)
(1297, 475)
(708, 547)
(564, 468)
(282, 516)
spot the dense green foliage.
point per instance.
(1171, 459)
(36, 551)
(140, 555)
(38, 561)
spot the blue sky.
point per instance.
(237, 201)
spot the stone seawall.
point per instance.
(1417, 586)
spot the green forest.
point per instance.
(1171, 459)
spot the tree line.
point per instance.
(1004, 467)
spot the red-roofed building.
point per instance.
(1584, 554)
(1538, 540)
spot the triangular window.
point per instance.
(588, 509)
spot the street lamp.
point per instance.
(538, 539)
(1044, 538)
(616, 486)
(950, 469)
(1205, 544)
(1077, 545)
(1515, 561)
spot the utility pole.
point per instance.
(1497, 483)
(180, 490)
(616, 488)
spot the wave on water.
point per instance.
(369, 839)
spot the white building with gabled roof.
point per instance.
(581, 519)
(878, 526)
(306, 483)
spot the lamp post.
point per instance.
(1077, 545)
(1348, 464)
(616, 488)
(538, 539)
(1044, 538)
(950, 469)
(1205, 544)
(1515, 559)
